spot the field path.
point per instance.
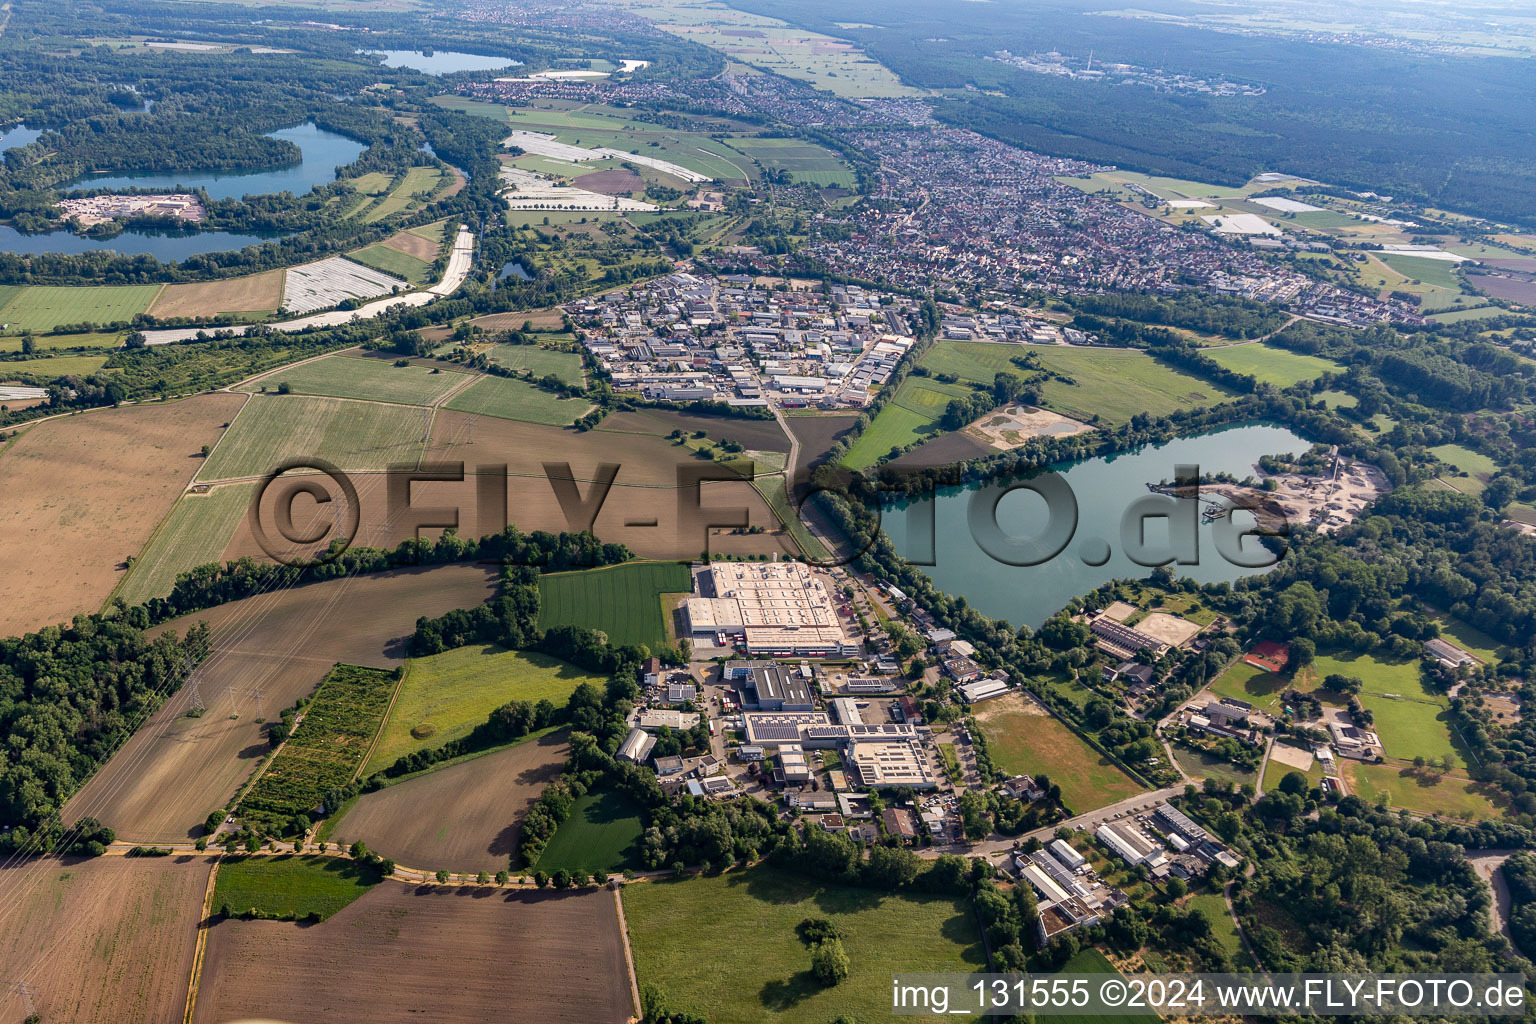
(629, 956)
(203, 924)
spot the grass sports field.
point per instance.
(1024, 739)
(44, 307)
(758, 970)
(1269, 365)
(290, 886)
(1254, 685)
(353, 435)
(600, 836)
(542, 361)
(805, 161)
(1426, 792)
(909, 416)
(624, 601)
(518, 400)
(377, 380)
(195, 533)
(445, 696)
(392, 261)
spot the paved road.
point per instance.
(458, 269)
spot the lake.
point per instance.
(18, 135)
(442, 62)
(323, 152)
(166, 247)
(514, 269)
(1104, 489)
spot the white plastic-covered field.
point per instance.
(541, 144)
(322, 285)
(528, 191)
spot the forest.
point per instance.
(1331, 112)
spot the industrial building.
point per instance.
(891, 764)
(773, 608)
(1127, 843)
(775, 687)
(636, 746)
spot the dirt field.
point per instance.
(414, 245)
(943, 450)
(163, 782)
(1170, 629)
(477, 809)
(106, 940)
(1009, 427)
(542, 319)
(254, 293)
(757, 435)
(817, 433)
(412, 953)
(1291, 757)
(644, 490)
(83, 493)
(611, 183)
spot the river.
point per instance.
(1103, 489)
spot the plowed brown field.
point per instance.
(406, 953)
(477, 809)
(108, 939)
(83, 493)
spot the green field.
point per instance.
(195, 533)
(56, 366)
(417, 179)
(44, 307)
(624, 601)
(392, 261)
(542, 361)
(443, 697)
(377, 380)
(1410, 719)
(352, 435)
(1478, 467)
(1112, 383)
(757, 970)
(805, 161)
(1024, 740)
(1270, 365)
(1212, 907)
(601, 835)
(1203, 765)
(1425, 792)
(1474, 641)
(510, 399)
(910, 416)
(290, 886)
(1244, 682)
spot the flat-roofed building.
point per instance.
(1070, 858)
(1130, 845)
(847, 710)
(653, 721)
(793, 766)
(891, 764)
(777, 688)
(982, 689)
(778, 608)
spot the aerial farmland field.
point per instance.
(352, 435)
(1114, 384)
(758, 972)
(196, 533)
(391, 260)
(477, 806)
(267, 651)
(443, 697)
(254, 293)
(517, 400)
(101, 941)
(805, 161)
(624, 601)
(289, 885)
(43, 307)
(542, 361)
(600, 837)
(65, 534)
(1270, 365)
(410, 953)
(362, 377)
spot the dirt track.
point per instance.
(416, 953)
(476, 809)
(163, 782)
